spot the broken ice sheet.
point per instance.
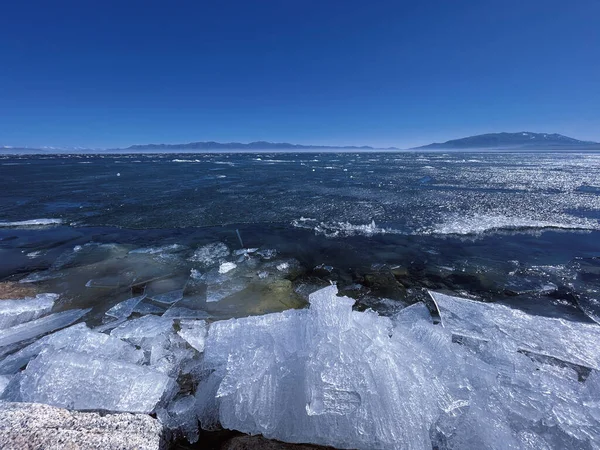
(327, 375)
(194, 332)
(571, 341)
(180, 416)
(84, 382)
(14, 312)
(136, 330)
(40, 326)
(125, 308)
(210, 254)
(77, 338)
(168, 298)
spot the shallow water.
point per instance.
(494, 226)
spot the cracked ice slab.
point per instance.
(83, 382)
(40, 326)
(326, 375)
(15, 312)
(77, 338)
(574, 342)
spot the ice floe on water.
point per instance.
(341, 229)
(33, 223)
(481, 223)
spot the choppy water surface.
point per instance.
(490, 225)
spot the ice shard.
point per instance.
(40, 326)
(77, 338)
(15, 312)
(125, 308)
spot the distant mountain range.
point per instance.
(525, 140)
(258, 145)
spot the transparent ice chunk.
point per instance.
(40, 326)
(84, 382)
(125, 308)
(14, 312)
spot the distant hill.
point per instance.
(522, 140)
(259, 145)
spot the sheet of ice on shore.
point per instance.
(84, 382)
(574, 342)
(40, 326)
(329, 375)
(125, 308)
(77, 338)
(15, 312)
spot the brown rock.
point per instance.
(10, 290)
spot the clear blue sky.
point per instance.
(113, 73)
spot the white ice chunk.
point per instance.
(211, 254)
(227, 267)
(40, 326)
(125, 308)
(194, 333)
(14, 312)
(80, 381)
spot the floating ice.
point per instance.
(40, 326)
(31, 223)
(14, 312)
(227, 267)
(168, 297)
(210, 254)
(178, 312)
(80, 381)
(124, 309)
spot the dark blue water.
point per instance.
(494, 226)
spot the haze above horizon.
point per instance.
(382, 74)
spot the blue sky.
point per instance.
(403, 73)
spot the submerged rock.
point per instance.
(38, 426)
(10, 290)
